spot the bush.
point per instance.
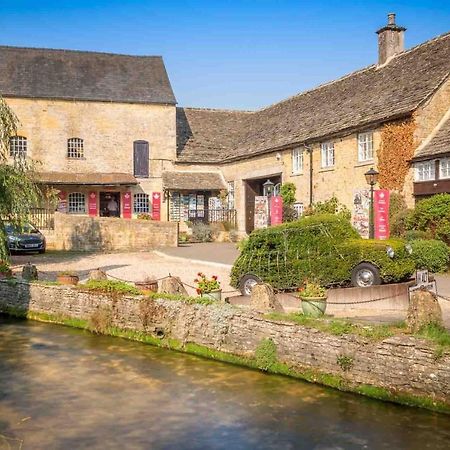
(413, 235)
(331, 206)
(399, 222)
(433, 255)
(201, 232)
(111, 287)
(287, 192)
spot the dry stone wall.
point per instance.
(400, 364)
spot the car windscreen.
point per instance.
(24, 229)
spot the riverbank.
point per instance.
(400, 368)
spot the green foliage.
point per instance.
(399, 222)
(205, 284)
(432, 215)
(100, 321)
(312, 290)
(4, 266)
(331, 206)
(201, 232)
(111, 287)
(324, 248)
(432, 254)
(345, 362)
(182, 298)
(287, 192)
(413, 235)
(397, 204)
(266, 354)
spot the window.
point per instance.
(141, 203)
(299, 209)
(75, 148)
(230, 198)
(425, 170)
(141, 159)
(444, 165)
(297, 160)
(76, 202)
(327, 152)
(18, 147)
(365, 147)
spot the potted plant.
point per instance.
(68, 278)
(150, 284)
(314, 299)
(208, 287)
(5, 270)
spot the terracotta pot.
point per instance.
(213, 295)
(70, 280)
(147, 286)
(314, 306)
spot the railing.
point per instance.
(221, 215)
(216, 215)
(43, 218)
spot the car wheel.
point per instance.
(247, 283)
(365, 275)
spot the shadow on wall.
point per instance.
(87, 235)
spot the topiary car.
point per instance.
(325, 248)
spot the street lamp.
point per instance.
(371, 178)
(268, 191)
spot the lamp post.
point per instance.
(268, 191)
(371, 178)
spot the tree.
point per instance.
(18, 190)
(287, 192)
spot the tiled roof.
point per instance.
(99, 179)
(439, 144)
(365, 97)
(78, 75)
(198, 181)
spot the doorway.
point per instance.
(109, 204)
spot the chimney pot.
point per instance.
(391, 19)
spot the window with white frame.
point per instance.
(425, 170)
(75, 148)
(299, 209)
(365, 147)
(76, 203)
(327, 154)
(297, 160)
(141, 203)
(230, 198)
(444, 166)
(18, 147)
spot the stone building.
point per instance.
(107, 126)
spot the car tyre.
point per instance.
(247, 282)
(365, 275)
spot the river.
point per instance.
(62, 388)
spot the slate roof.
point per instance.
(193, 181)
(97, 179)
(439, 144)
(363, 98)
(79, 75)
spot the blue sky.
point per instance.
(226, 54)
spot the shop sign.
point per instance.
(62, 204)
(261, 212)
(361, 208)
(126, 202)
(381, 213)
(276, 210)
(92, 204)
(156, 206)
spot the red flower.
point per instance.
(196, 280)
(214, 277)
(198, 291)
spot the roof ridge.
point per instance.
(65, 50)
(194, 108)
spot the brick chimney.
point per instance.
(390, 40)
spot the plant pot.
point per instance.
(314, 306)
(213, 295)
(147, 286)
(6, 275)
(70, 280)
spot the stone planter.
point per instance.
(70, 280)
(214, 295)
(147, 286)
(314, 306)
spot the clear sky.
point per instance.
(226, 54)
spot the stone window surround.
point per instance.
(75, 148)
(18, 146)
(76, 203)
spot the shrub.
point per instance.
(413, 235)
(331, 206)
(111, 287)
(201, 232)
(266, 354)
(399, 222)
(287, 192)
(101, 320)
(432, 254)
(289, 213)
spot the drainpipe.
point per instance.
(311, 171)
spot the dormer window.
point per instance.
(425, 170)
(18, 147)
(75, 148)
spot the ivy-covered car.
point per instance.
(324, 248)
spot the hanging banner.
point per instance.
(126, 205)
(156, 206)
(261, 212)
(361, 208)
(62, 203)
(381, 213)
(92, 204)
(276, 210)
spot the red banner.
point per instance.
(381, 213)
(92, 204)
(156, 206)
(62, 204)
(276, 210)
(126, 205)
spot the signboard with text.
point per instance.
(381, 214)
(92, 204)
(360, 214)
(276, 210)
(261, 212)
(156, 206)
(62, 204)
(126, 205)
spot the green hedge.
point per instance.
(323, 248)
(432, 254)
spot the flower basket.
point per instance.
(147, 286)
(67, 279)
(314, 306)
(213, 295)
(208, 287)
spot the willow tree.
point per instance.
(18, 190)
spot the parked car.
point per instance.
(323, 248)
(24, 239)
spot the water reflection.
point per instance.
(62, 388)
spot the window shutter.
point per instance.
(141, 158)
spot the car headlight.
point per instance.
(13, 239)
(409, 248)
(390, 252)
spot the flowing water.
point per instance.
(62, 388)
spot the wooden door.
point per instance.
(251, 190)
(141, 156)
